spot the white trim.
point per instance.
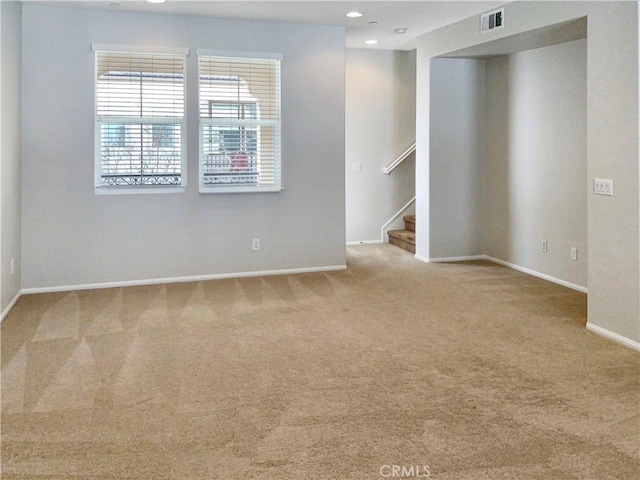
(10, 306)
(133, 190)
(613, 336)
(274, 159)
(207, 52)
(392, 219)
(543, 276)
(106, 119)
(513, 266)
(391, 167)
(194, 278)
(365, 242)
(590, 326)
(421, 258)
(108, 47)
(229, 188)
(458, 259)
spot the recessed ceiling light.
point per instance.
(401, 30)
(354, 14)
(156, 1)
(373, 23)
(371, 42)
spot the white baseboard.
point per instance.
(613, 336)
(513, 266)
(364, 242)
(194, 278)
(458, 259)
(421, 258)
(594, 328)
(543, 276)
(6, 311)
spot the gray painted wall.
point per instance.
(613, 146)
(71, 236)
(380, 125)
(10, 155)
(457, 157)
(536, 164)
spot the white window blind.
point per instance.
(239, 104)
(140, 120)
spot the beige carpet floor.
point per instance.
(392, 368)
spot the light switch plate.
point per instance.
(603, 186)
(574, 253)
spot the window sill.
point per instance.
(139, 190)
(234, 189)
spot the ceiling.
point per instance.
(417, 16)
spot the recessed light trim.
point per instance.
(355, 14)
(401, 30)
(371, 42)
(156, 1)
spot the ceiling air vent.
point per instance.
(492, 20)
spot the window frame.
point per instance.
(276, 124)
(101, 189)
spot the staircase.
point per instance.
(405, 238)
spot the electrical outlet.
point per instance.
(544, 246)
(574, 253)
(255, 244)
(13, 266)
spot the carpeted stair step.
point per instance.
(403, 238)
(410, 222)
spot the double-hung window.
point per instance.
(239, 105)
(140, 120)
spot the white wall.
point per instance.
(380, 125)
(612, 145)
(536, 165)
(457, 157)
(10, 155)
(613, 152)
(72, 236)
